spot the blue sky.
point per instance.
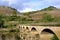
(30, 5)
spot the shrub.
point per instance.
(3, 37)
(47, 17)
(54, 38)
(17, 37)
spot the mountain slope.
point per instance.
(55, 12)
(7, 10)
(50, 14)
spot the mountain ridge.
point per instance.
(50, 10)
(6, 10)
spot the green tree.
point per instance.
(47, 17)
(3, 37)
(17, 37)
(1, 21)
(14, 16)
(54, 38)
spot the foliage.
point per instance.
(57, 19)
(3, 37)
(8, 7)
(26, 22)
(14, 15)
(26, 18)
(12, 30)
(47, 18)
(17, 37)
(54, 38)
(48, 9)
(28, 13)
(1, 21)
(4, 19)
(3, 31)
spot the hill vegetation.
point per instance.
(10, 17)
(50, 8)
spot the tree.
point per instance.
(54, 38)
(14, 16)
(47, 17)
(1, 21)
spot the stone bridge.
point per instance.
(31, 32)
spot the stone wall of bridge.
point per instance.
(32, 30)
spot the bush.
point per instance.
(47, 17)
(54, 38)
(3, 37)
(17, 37)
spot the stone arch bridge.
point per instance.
(29, 32)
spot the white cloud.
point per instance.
(34, 4)
(31, 5)
(58, 6)
(26, 10)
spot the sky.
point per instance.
(29, 5)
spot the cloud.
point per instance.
(27, 10)
(41, 4)
(58, 6)
(34, 4)
(30, 4)
(17, 4)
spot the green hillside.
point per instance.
(10, 17)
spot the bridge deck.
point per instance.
(44, 24)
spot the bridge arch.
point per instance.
(33, 29)
(35, 34)
(27, 28)
(49, 31)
